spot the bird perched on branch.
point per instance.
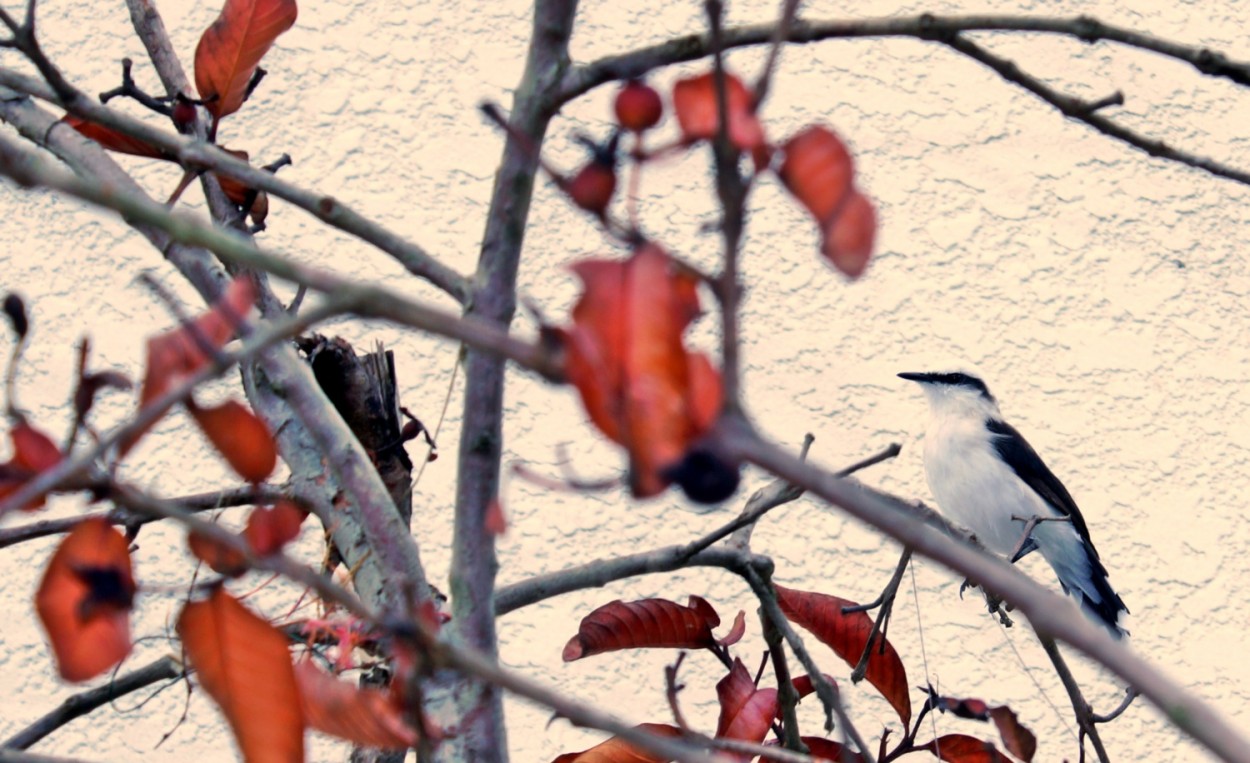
(985, 476)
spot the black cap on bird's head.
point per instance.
(950, 380)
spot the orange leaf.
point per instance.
(847, 635)
(361, 716)
(818, 170)
(961, 748)
(234, 190)
(243, 664)
(232, 47)
(269, 529)
(694, 101)
(849, 236)
(746, 712)
(644, 623)
(219, 557)
(618, 750)
(244, 440)
(33, 452)
(112, 139)
(176, 354)
(1017, 738)
(85, 598)
(626, 357)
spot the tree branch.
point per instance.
(1084, 714)
(195, 154)
(81, 704)
(239, 496)
(947, 30)
(636, 63)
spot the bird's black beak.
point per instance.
(916, 377)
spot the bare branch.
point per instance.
(924, 26)
(240, 496)
(948, 30)
(1086, 111)
(196, 154)
(81, 704)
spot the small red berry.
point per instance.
(183, 113)
(638, 106)
(592, 187)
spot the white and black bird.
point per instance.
(985, 475)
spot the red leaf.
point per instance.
(826, 749)
(645, 623)
(694, 101)
(818, 170)
(1018, 740)
(176, 354)
(618, 750)
(33, 452)
(496, 520)
(847, 635)
(112, 139)
(746, 712)
(231, 49)
(234, 190)
(849, 237)
(270, 528)
(961, 748)
(804, 684)
(736, 631)
(85, 598)
(243, 664)
(244, 440)
(626, 357)
(361, 716)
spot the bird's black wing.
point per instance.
(1016, 452)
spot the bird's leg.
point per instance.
(1026, 543)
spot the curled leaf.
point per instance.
(619, 750)
(15, 309)
(84, 600)
(847, 636)
(230, 50)
(1018, 740)
(359, 715)
(644, 623)
(269, 528)
(33, 452)
(244, 664)
(176, 354)
(625, 354)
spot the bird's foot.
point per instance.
(968, 583)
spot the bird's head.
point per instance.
(957, 391)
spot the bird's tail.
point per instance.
(1083, 576)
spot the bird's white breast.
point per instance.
(973, 487)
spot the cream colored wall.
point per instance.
(1101, 291)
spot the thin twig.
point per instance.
(1130, 694)
(1084, 715)
(886, 602)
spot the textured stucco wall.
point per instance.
(1101, 291)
